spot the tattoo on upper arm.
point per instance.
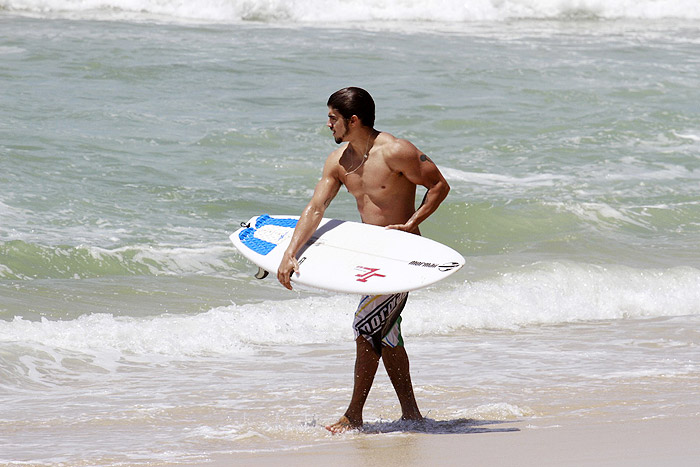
(425, 158)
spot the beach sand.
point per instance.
(653, 442)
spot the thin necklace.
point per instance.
(364, 158)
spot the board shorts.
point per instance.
(378, 319)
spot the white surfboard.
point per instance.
(349, 257)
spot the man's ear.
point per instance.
(354, 120)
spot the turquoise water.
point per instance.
(132, 144)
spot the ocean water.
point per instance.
(136, 136)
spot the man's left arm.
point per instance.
(421, 170)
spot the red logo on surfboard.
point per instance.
(369, 272)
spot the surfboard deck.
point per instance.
(349, 257)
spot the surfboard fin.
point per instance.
(261, 274)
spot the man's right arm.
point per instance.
(310, 218)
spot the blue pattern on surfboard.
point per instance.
(259, 246)
(265, 219)
(262, 247)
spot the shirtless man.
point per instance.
(382, 173)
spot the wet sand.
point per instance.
(661, 441)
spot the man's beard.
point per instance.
(339, 139)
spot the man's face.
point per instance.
(337, 124)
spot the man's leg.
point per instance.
(366, 364)
(397, 367)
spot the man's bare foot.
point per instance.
(342, 425)
(416, 416)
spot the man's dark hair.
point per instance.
(354, 101)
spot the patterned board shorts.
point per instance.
(378, 319)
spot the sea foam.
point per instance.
(542, 293)
(318, 11)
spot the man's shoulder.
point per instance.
(335, 155)
(337, 152)
(394, 147)
(333, 161)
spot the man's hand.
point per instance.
(403, 227)
(409, 227)
(288, 265)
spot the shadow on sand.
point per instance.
(438, 427)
